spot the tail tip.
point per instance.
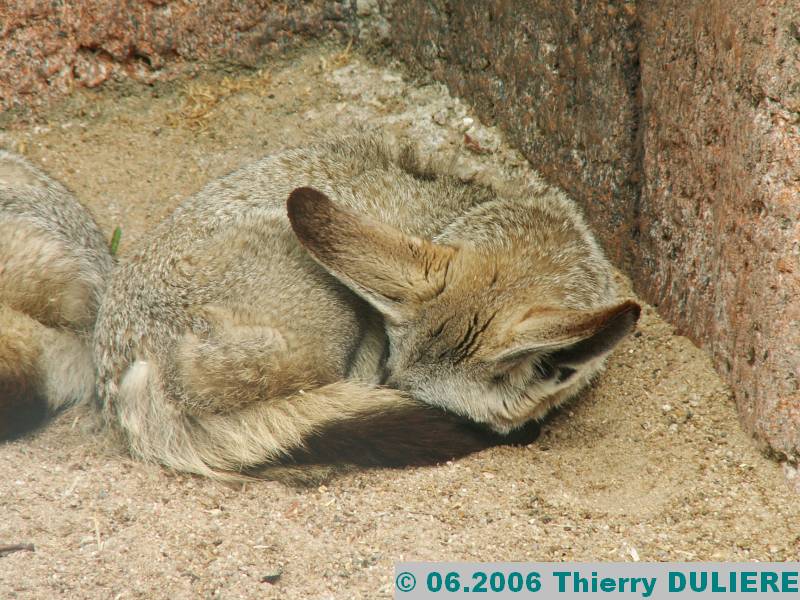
(22, 410)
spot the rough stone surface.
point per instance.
(559, 77)
(719, 245)
(675, 123)
(50, 47)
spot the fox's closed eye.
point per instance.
(499, 378)
(532, 371)
(547, 370)
(524, 371)
(507, 370)
(544, 370)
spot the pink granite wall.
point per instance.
(719, 243)
(50, 46)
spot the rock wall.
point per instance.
(676, 123)
(50, 46)
(561, 81)
(719, 244)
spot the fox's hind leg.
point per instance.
(47, 303)
(23, 404)
(42, 369)
(241, 360)
(252, 376)
(240, 398)
(53, 269)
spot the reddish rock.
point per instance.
(560, 80)
(50, 47)
(719, 240)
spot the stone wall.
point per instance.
(561, 82)
(676, 123)
(50, 46)
(719, 244)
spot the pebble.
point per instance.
(272, 577)
(440, 117)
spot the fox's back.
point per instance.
(231, 244)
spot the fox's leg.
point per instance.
(224, 372)
(22, 400)
(249, 404)
(42, 369)
(53, 258)
(43, 277)
(241, 360)
(53, 267)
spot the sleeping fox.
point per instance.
(342, 304)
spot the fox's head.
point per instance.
(470, 330)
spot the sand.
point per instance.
(650, 465)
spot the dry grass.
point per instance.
(338, 60)
(200, 99)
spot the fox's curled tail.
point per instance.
(301, 438)
(54, 265)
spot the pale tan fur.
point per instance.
(53, 269)
(240, 328)
(20, 345)
(40, 277)
(54, 264)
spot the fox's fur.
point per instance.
(54, 266)
(335, 304)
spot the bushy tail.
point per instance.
(54, 265)
(301, 437)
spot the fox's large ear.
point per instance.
(569, 339)
(392, 271)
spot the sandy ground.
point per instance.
(651, 464)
